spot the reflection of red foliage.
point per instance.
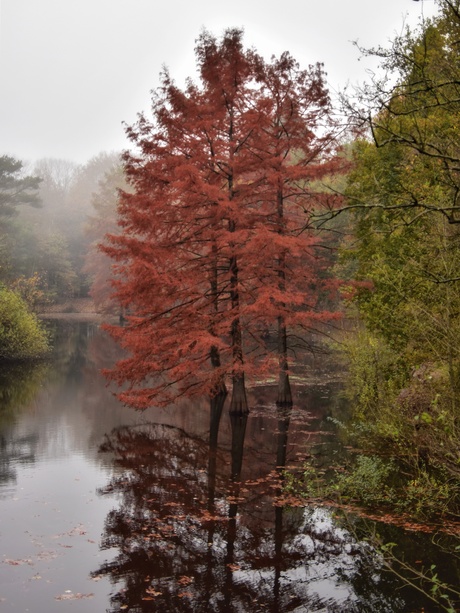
(192, 538)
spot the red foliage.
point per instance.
(216, 249)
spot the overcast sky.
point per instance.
(71, 71)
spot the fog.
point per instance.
(74, 71)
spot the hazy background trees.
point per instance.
(45, 242)
(16, 189)
(21, 336)
(49, 244)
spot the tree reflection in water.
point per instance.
(19, 384)
(191, 535)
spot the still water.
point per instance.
(179, 509)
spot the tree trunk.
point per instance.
(216, 406)
(218, 388)
(284, 418)
(239, 403)
(284, 385)
(238, 424)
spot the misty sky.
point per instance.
(71, 71)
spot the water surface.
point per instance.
(104, 509)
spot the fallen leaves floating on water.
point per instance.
(78, 530)
(207, 516)
(68, 595)
(152, 593)
(234, 499)
(47, 555)
(18, 562)
(233, 567)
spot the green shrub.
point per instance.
(367, 482)
(425, 496)
(21, 335)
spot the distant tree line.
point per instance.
(45, 243)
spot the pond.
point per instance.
(178, 509)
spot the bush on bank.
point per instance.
(21, 334)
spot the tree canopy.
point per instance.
(215, 255)
(405, 190)
(15, 187)
(404, 251)
(412, 108)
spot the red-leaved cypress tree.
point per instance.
(211, 254)
(297, 150)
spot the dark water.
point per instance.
(103, 509)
